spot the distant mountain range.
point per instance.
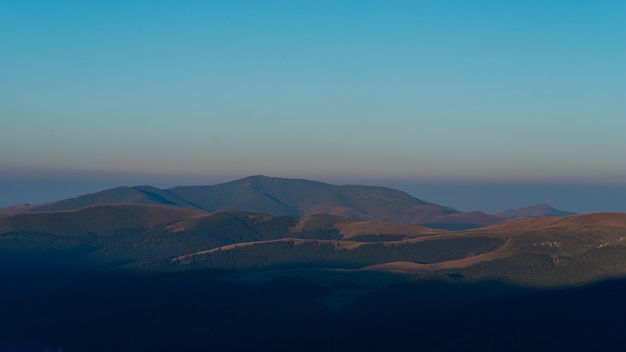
(277, 264)
(296, 198)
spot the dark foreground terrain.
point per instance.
(323, 268)
(216, 311)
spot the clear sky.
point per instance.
(519, 92)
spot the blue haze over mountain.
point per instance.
(484, 105)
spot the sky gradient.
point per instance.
(384, 92)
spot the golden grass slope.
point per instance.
(557, 237)
(351, 228)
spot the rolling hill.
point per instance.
(149, 237)
(262, 223)
(272, 196)
(152, 277)
(464, 221)
(119, 195)
(533, 211)
(295, 197)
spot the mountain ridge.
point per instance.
(269, 195)
(296, 198)
(532, 211)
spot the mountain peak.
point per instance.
(261, 178)
(255, 179)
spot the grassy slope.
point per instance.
(147, 236)
(543, 251)
(457, 303)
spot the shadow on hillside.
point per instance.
(199, 311)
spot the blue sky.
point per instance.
(372, 91)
